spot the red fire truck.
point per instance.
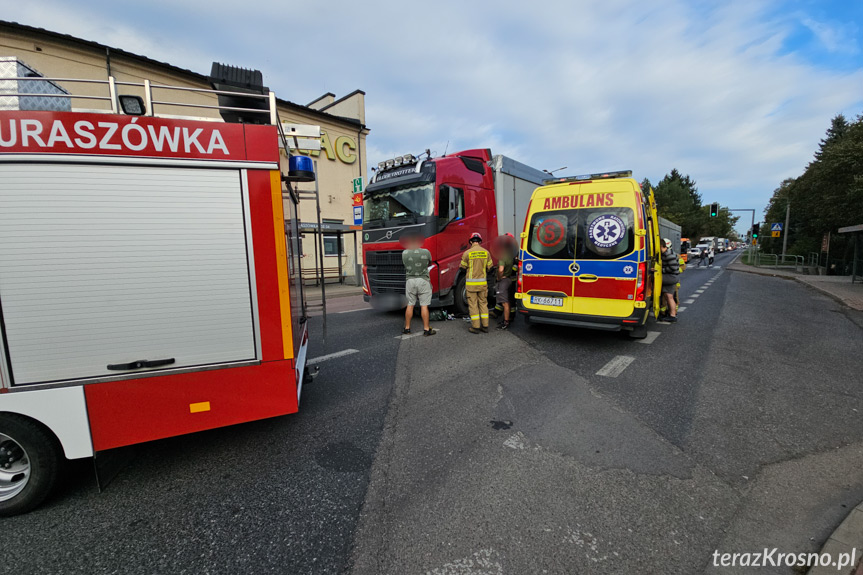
(148, 288)
(443, 199)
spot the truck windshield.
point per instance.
(584, 234)
(409, 201)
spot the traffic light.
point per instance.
(714, 210)
(755, 230)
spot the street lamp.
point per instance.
(551, 173)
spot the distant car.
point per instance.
(702, 247)
(694, 253)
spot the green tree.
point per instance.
(826, 196)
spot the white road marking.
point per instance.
(699, 291)
(681, 308)
(483, 562)
(516, 441)
(410, 335)
(330, 356)
(651, 337)
(616, 366)
(695, 295)
(353, 310)
(689, 302)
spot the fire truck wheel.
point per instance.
(29, 464)
(460, 296)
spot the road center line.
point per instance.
(681, 308)
(689, 302)
(695, 295)
(616, 366)
(330, 356)
(651, 337)
(700, 291)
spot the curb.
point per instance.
(335, 295)
(847, 538)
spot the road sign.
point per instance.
(358, 185)
(358, 215)
(776, 227)
(358, 199)
(775, 234)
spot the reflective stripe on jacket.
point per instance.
(477, 262)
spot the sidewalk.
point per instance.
(313, 293)
(847, 537)
(839, 288)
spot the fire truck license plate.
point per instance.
(539, 300)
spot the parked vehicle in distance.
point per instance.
(685, 246)
(693, 254)
(704, 248)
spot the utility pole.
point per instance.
(785, 231)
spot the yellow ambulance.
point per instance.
(590, 254)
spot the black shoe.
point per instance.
(671, 319)
(473, 330)
(407, 330)
(430, 331)
(503, 325)
(484, 329)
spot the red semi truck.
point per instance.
(444, 199)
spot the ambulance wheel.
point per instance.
(30, 459)
(460, 296)
(638, 332)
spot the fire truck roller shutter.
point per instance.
(111, 264)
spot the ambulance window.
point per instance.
(551, 234)
(604, 233)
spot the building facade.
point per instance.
(340, 160)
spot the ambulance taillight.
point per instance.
(518, 281)
(639, 282)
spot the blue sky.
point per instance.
(735, 93)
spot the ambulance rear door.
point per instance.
(605, 247)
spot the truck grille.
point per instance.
(386, 272)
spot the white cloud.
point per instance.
(590, 85)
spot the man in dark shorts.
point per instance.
(670, 276)
(505, 273)
(417, 283)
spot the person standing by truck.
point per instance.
(670, 274)
(418, 286)
(505, 273)
(476, 261)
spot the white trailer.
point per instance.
(514, 184)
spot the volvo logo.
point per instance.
(574, 267)
(389, 235)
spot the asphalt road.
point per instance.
(276, 496)
(537, 450)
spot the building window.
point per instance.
(333, 245)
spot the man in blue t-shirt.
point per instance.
(417, 283)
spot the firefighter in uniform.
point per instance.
(477, 261)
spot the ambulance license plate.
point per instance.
(539, 300)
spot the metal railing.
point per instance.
(147, 87)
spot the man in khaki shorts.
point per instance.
(417, 283)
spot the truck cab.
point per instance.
(442, 199)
